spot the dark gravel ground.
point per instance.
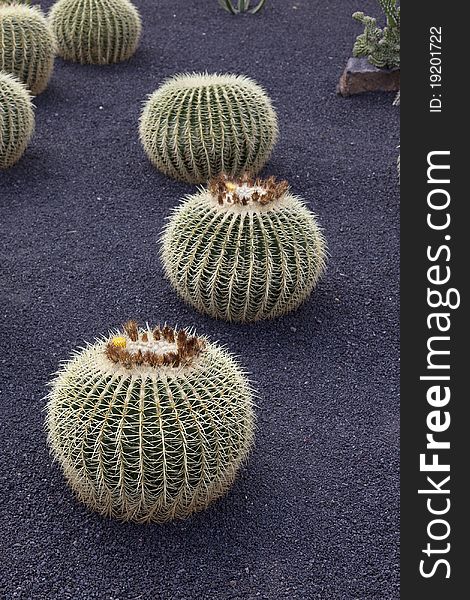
(315, 514)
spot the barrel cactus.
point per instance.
(196, 126)
(243, 250)
(16, 119)
(150, 425)
(27, 46)
(96, 31)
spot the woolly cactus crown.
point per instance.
(197, 125)
(96, 31)
(248, 192)
(27, 45)
(162, 347)
(150, 425)
(243, 249)
(184, 81)
(16, 119)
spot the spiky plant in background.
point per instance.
(16, 119)
(27, 46)
(380, 46)
(243, 250)
(96, 31)
(197, 125)
(239, 6)
(150, 425)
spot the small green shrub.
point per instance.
(380, 46)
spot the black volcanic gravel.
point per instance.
(315, 513)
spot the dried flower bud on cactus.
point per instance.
(244, 249)
(150, 425)
(196, 125)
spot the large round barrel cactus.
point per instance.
(196, 126)
(16, 119)
(27, 46)
(96, 31)
(243, 250)
(150, 425)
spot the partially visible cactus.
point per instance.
(380, 46)
(239, 6)
(16, 119)
(197, 125)
(96, 31)
(243, 250)
(150, 425)
(27, 46)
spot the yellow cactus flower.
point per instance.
(119, 341)
(231, 186)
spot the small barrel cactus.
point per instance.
(243, 250)
(96, 31)
(27, 46)
(196, 126)
(150, 425)
(16, 119)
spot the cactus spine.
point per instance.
(243, 250)
(96, 31)
(150, 425)
(16, 119)
(27, 45)
(197, 125)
